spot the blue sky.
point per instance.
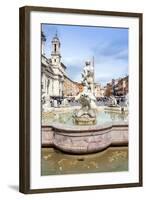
(109, 46)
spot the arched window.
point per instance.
(48, 83)
(55, 47)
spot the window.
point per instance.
(55, 47)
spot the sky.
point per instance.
(108, 46)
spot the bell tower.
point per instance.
(55, 54)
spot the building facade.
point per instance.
(55, 82)
(52, 69)
(121, 88)
(80, 87)
(70, 88)
(108, 89)
(99, 90)
(117, 87)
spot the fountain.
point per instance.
(113, 105)
(86, 135)
(86, 115)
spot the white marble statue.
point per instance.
(65, 102)
(127, 99)
(87, 98)
(55, 103)
(88, 77)
(46, 103)
(113, 101)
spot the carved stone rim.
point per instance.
(85, 129)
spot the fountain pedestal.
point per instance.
(86, 115)
(85, 120)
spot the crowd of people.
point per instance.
(70, 101)
(106, 100)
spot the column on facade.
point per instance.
(45, 83)
(56, 87)
(50, 87)
(61, 88)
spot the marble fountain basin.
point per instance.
(84, 139)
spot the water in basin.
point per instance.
(66, 117)
(113, 159)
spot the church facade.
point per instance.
(52, 70)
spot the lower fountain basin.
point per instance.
(84, 139)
